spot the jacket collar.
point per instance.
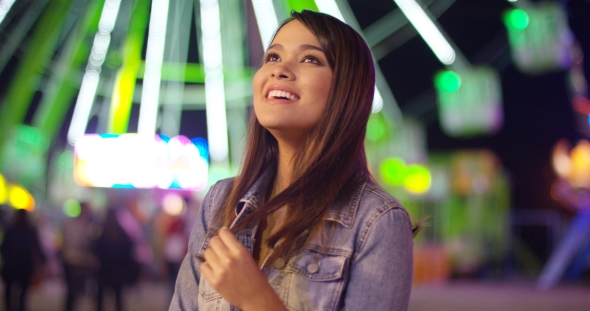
(343, 211)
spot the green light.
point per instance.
(375, 129)
(299, 5)
(447, 81)
(72, 208)
(517, 19)
(66, 160)
(393, 171)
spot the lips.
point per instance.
(281, 93)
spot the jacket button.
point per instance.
(279, 263)
(313, 267)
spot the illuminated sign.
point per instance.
(141, 161)
(469, 102)
(539, 37)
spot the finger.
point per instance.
(218, 246)
(207, 272)
(229, 239)
(212, 260)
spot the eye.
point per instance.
(311, 59)
(271, 57)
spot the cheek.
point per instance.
(320, 88)
(258, 83)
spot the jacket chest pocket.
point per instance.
(314, 281)
(206, 291)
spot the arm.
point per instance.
(380, 275)
(186, 290)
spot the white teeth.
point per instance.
(283, 94)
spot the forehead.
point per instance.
(295, 32)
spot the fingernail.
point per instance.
(224, 227)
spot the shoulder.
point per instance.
(379, 199)
(214, 199)
(376, 202)
(364, 205)
(380, 211)
(218, 192)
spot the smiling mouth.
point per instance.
(276, 94)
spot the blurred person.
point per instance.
(303, 226)
(175, 247)
(117, 266)
(21, 258)
(76, 254)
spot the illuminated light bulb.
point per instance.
(19, 198)
(72, 208)
(3, 190)
(517, 19)
(393, 171)
(173, 204)
(417, 179)
(447, 81)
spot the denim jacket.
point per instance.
(367, 264)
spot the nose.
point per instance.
(282, 71)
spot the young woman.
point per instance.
(303, 226)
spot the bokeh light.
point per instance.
(3, 190)
(375, 128)
(71, 208)
(141, 161)
(414, 178)
(20, 198)
(517, 19)
(393, 171)
(173, 204)
(417, 179)
(447, 81)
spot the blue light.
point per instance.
(164, 137)
(201, 144)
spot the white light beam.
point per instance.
(266, 18)
(91, 78)
(428, 30)
(214, 87)
(150, 96)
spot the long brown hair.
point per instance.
(332, 161)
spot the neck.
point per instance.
(284, 167)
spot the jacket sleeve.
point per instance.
(380, 275)
(186, 290)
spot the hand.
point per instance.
(234, 274)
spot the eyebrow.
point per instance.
(301, 47)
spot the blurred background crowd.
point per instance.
(117, 116)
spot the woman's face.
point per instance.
(291, 88)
